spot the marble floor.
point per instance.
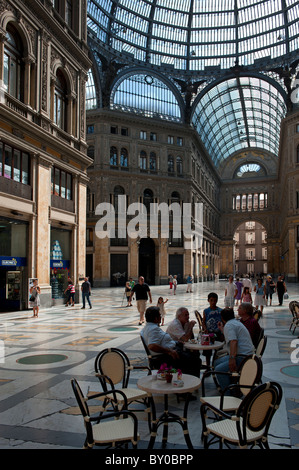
(41, 355)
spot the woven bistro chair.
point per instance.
(199, 321)
(113, 429)
(150, 359)
(294, 309)
(113, 368)
(260, 349)
(250, 424)
(245, 379)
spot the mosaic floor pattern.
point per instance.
(37, 406)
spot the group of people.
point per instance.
(85, 290)
(240, 335)
(241, 291)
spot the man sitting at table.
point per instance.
(166, 350)
(238, 342)
(181, 328)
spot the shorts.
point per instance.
(141, 306)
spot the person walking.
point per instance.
(189, 283)
(142, 292)
(71, 293)
(270, 289)
(34, 299)
(281, 288)
(86, 292)
(260, 295)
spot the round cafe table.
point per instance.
(154, 386)
(197, 346)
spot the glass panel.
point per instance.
(63, 184)
(69, 187)
(17, 165)
(197, 34)
(7, 161)
(25, 168)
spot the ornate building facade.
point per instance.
(43, 72)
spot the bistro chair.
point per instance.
(260, 349)
(150, 359)
(247, 377)
(250, 424)
(112, 429)
(294, 309)
(113, 368)
(199, 321)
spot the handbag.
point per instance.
(285, 295)
(32, 298)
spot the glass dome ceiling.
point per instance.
(194, 35)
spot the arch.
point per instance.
(239, 112)
(8, 17)
(152, 95)
(63, 68)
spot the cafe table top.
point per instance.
(152, 385)
(197, 346)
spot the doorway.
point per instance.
(147, 257)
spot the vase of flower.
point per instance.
(168, 377)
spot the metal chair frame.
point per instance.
(250, 424)
(122, 430)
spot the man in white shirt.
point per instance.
(181, 328)
(164, 349)
(230, 292)
(247, 282)
(238, 342)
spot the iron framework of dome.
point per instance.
(194, 34)
(234, 63)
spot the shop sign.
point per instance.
(11, 261)
(59, 264)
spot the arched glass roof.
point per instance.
(144, 94)
(197, 34)
(243, 112)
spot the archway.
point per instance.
(250, 249)
(147, 256)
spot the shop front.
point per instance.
(60, 264)
(13, 265)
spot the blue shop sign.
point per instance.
(12, 261)
(59, 264)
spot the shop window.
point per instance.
(61, 183)
(13, 65)
(14, 164)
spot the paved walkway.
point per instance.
(37, 406)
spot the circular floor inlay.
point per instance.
(292, 371)
(123, 328)
(42, 359)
